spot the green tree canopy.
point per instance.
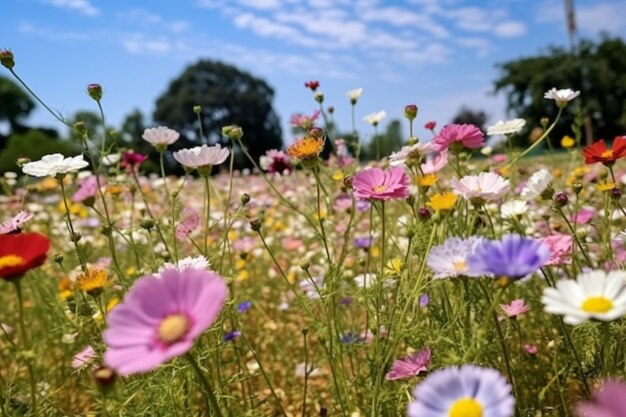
(386, 143)
(33, 144)
(227, 96)
(15, 104)
(598, 70)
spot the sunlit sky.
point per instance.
(438, 54)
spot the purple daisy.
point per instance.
(410, 366)
(160, 318)
(466, 391)
(512, 257)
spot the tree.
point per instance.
(15, 105)
(598, 70)
(227, 96)
(465, 115)
(33, 144)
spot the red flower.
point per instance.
(21, 252)
(598, 152)
(312, 85)
(132, 159)
(431, 125)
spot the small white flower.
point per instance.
(487, 150)
(202, 156)
(562, 96)
(417, 152)
(506, 127)
(160, 136)
(354, 95)
(513, 209)
(488, 186)
(111, 159)
(593, 295)
(10, 175)
(199, 262)
(54, 164)
(375, 118)
(537, 183)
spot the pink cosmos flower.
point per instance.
(88, 188)
(584, 215)
(376, 184)
(560, 248)
(275, 162)
(469, 136)
(410, 366)
(84, 357)
(609, 401)
(303, 121)
(201, 156)
(499, 158)
(160, 136)
(160, 319)
(530, 349)
(435, 163)
(190, 220)
(14, 224)
(516, 308)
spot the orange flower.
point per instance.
(306, 148)
(598, 152)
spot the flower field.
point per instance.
(447, 279)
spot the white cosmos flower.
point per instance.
(199, 262)
(537, 183)
(354, 95)
(375, 118)
(111, 159)
(487, 185)
(506, 127)
(593, 295)
(562, 96)
(51, 165)
(513, 209)
(201, 156)
(417, 152)
(160, 136)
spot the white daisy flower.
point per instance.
(506, 127)
(354, 95)
(375, 118)
(537, 183)
(417, 152)
(199, 262)
(593, 295)
(54, 164)
(562, 97)
(488, 186)
(513, 209)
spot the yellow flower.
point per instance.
(114, 189)
(567, 141)
(338, 175)
(92, 281)
(76, 209)
(112, 303)
(65, 288)
(306, 148)
(442, 201)
(425, 180)
(606, 186)
(394, 267)
(242, 275)
(240, 264)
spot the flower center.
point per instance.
(9, 261)
(607, 154)
(597, 305)
(460, 265)
(379, 188)
(173, 328)
(466, 407)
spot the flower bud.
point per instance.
(561, 199)
(410, 111)
(147, 224)
(304, 264)
(347, 181)
(430, 125)
(245, 199)
(331, 109)
(616, 193)
(58, 258)
(319, 97)
(6, 58)
(544, 122)
(75, 237)
(104, 377)
(95, 91)
(424, 213)
(232, 132)
(577, 187)
(256, 224)
(316, 132)
(197, 109)
(22, 161)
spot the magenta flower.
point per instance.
(530, 349)
(516, 308)
(376, 184)
(275, 161)
(14, 224)
(410, 366)
(160, 319)
(468, 136)
(610, 401)
(189, 221)
(88, 189)
(131, 160)
(303, 121)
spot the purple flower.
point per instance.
(424, 300)
(160, 319)
(610, 401)
(363, 205)
(410, 366)
(350, 337)
(231, 335)
(512, 257)
(244, 306)
(363, 242)
(516, 308)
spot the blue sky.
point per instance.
(438, 54)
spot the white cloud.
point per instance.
(82, 6)
(29, 28)
(397, 16)
(148, 19)
(510, 29)
(482, 46)
(268, 28)
(139, 44)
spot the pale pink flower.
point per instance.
(486, 186)
(15, 223)
(88, 188)
(201, 156)
(583, 216)
(410, 366)
(467, 135)
(189, 221)
(376, 184)
(516, 308)
(160, 136)
(530, 349)
(435, 163)
(560, 248)
(84, 357)
(303, 121)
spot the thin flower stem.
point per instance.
(575, 236)
(73, 235)
(320, 217)
(26, 342)
(207, 213)
(207, 391)
(538, 141)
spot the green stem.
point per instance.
(207, 391)
(538, 141)
(25, 340)
(207, 213)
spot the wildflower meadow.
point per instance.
(445, 279)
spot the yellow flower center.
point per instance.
(10, 260)
(597, 305)
(379, 188)
(306, 148)
(466, 407)
(173, 328)
(460, 266)
(607, 154)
